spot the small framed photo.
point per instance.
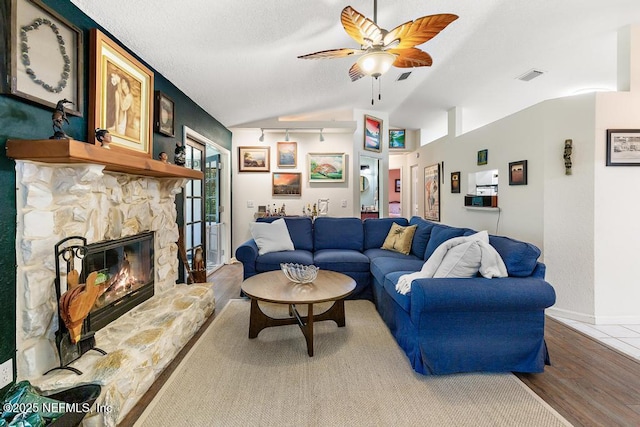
(164, 111)
(286, 183)
(397, 139)
(253, 159)
(42, 56)
(483, 157)
(623, 147)
(518, 173)
(326, 167)
(287, 154)
(455, 182)
(397, 185)
(372, 133)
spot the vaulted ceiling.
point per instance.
(238, 60)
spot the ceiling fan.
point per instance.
(380, 49)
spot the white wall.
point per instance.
(256, 187)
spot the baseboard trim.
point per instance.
(591, 319)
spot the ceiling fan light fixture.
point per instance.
(376, 63)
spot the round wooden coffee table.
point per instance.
(274, 287)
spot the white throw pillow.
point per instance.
(462, 260)
(271, 237)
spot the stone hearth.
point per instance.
(55, 201)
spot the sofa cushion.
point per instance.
(377, 229)
(300, 230)
(519, 257)
(389, 285)
(440, 234)
(272, 260)
(421, 236)
(341, 260)
(271, 237)
(379, 252)
(338, 233)
(399, 238)
(380, 267)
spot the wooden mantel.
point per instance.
(63, 151)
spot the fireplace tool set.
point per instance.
(73, 337)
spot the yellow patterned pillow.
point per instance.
(399, 238)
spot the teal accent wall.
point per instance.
(22, 120)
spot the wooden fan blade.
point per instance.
(360, 28)
(412, 57)
(414, 33)
(332, 53)
(355, 72)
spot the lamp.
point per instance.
(286, 136)
(261, 139)
(321, 136)
(376, 62)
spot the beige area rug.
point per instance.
(358, 377)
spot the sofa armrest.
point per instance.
(480, 294)
(247, 253)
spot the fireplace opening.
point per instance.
(126, 270)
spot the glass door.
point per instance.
(212, 209)
(194, 208)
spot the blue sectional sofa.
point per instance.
(444, 325)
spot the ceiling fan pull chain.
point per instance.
(371, 90)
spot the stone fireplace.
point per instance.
(112, 200)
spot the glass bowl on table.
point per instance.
(299, 273)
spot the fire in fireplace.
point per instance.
(126, 270)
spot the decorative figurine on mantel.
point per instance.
(180, 154)
(104, 138)
(59, 117)
(163, 157)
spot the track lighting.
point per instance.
(286, 136)
(261, 139)
(321, 136)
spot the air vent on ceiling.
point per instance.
(530, 75)
(403, 76)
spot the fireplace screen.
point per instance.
(126, 270)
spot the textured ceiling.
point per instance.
(238, 59)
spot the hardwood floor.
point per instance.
(588, 383)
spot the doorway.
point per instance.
(213, 200)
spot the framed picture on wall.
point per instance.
(455, 182)
(253, 159)
(483, 157)
(121, 96)
(623, 147)
(286, 183)
(43, 63)
(518, 173)
(397, 139)
(287, 154)
(372, 133)
(432, 192)
(397, 186)
(164, 112)
(326, 167)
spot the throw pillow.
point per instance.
(271, 237)
(399, 238)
